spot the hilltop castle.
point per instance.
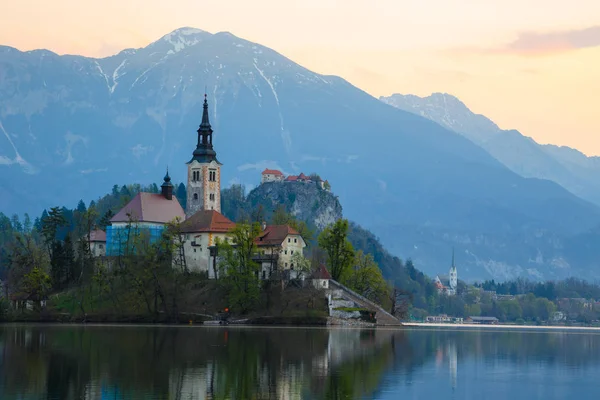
(274, 175)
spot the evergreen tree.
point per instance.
(154, 188)
(16, 224)
(81, 206)
(69, 265)
(105, 220)
(27, 224)
(181, 195)
(125, 191)
(57, 265)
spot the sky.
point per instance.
(531, 65)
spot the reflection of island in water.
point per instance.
(103, 362)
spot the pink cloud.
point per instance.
(543, 43)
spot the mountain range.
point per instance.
(72, 126)
(566, 166)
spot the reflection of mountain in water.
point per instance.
(241, 363)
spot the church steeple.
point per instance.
(167, 187)
(204, 171)
(204, 152)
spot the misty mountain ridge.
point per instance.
(73, 126)
(566, 166)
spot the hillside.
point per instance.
(71, 126)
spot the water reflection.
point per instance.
(104, 362)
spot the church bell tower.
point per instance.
(204, 172)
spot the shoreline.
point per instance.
(500, 326)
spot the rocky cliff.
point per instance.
(306, 201)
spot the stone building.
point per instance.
(277, 245)
(321, 277)
(271, 175)
(201, 232)
(97, 240)
(204, 172)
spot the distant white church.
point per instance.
(447, 284)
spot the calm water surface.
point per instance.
(125, 362)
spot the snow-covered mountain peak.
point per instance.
(180, 39)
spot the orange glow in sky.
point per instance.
(530, 65)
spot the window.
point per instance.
(289, 240)
(211, 197)
(100, 246)
(286, 265)
(194, 250)
(285, 252)
(195, 196)
(295, 240)
(195, 176)
(212, 175)
(292, 266)
(264, 274)
(292, 252)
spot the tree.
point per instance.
(365, 278)
(181, 195)
(27, 225)
(54, 220)
(302, 265)
(340, 254)
(81, 206)
(37, 284)
(239, 269)
(105, 220)
(282, 217)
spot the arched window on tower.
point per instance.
(195, 196)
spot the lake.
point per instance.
(188, 362)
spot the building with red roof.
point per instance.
(271, 175)
(278, 244)
(201, 232)
(97, 240)
(321, 277)
(144, 216)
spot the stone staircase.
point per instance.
(383, 317)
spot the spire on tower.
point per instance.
(204, 152)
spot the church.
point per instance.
(201, 225)
(448, 284)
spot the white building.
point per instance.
(201, 232)
(271, 175)
(448, 284)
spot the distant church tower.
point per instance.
(204, 172)
(453, 275)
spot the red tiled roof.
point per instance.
(302, 176)
(207, 221)
(291, 178)
(321, 273)
(150, 207)
(275, 234)
(272, 172)
(97, 236)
